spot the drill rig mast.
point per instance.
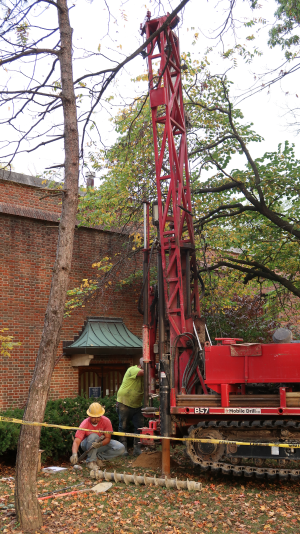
(179, 309)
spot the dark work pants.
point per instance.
(127, 414)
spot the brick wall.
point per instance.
(27, 250)
(21, 194)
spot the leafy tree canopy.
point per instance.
(286, 31)
(246, 219)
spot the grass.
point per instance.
(225, 505)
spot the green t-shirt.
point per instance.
(131, 391)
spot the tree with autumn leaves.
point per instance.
(245, 219)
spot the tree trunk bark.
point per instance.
(27, 507)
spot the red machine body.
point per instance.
(251, 363)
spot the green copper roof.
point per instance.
(102, 335)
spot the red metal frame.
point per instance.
(173, 187)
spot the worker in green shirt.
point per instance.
(129, 404)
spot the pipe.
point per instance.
(146, 367)
(146, 384)
(164, 387)
(208, 335)
(190, 485)
(161, 308)
(146, 348)
(188, 283)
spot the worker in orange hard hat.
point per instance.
(103, 450)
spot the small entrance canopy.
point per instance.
(106, 336)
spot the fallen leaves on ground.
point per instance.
(225, 505)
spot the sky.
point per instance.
(120, 36)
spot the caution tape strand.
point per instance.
(149, 436)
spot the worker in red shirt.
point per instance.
(104, 450)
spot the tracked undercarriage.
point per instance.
(248, 460)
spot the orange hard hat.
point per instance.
(95, 410)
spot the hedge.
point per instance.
(55, 441)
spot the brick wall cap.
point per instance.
(24, 179)
(45, 215)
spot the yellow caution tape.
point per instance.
(147, 436)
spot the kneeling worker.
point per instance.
(104, 450)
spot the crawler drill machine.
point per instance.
(227, 390)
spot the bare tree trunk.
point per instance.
(27, 506)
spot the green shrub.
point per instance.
(55, 441)
(9, 432)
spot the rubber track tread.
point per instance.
(245, 470)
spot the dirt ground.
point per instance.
(225, 505)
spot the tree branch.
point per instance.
(260, 207)
(32, 52)
(212, 145)
(218, 189)
(28, 91)
(262, 272)
(116, 69)
(53, 4)
(244, 148)
(209, 216)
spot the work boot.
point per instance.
(100, 463)
(123, 440)
(136, 447)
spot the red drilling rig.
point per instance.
(231, 391)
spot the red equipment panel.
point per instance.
(252, 363)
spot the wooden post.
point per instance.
(40, 460)
(166, 460)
